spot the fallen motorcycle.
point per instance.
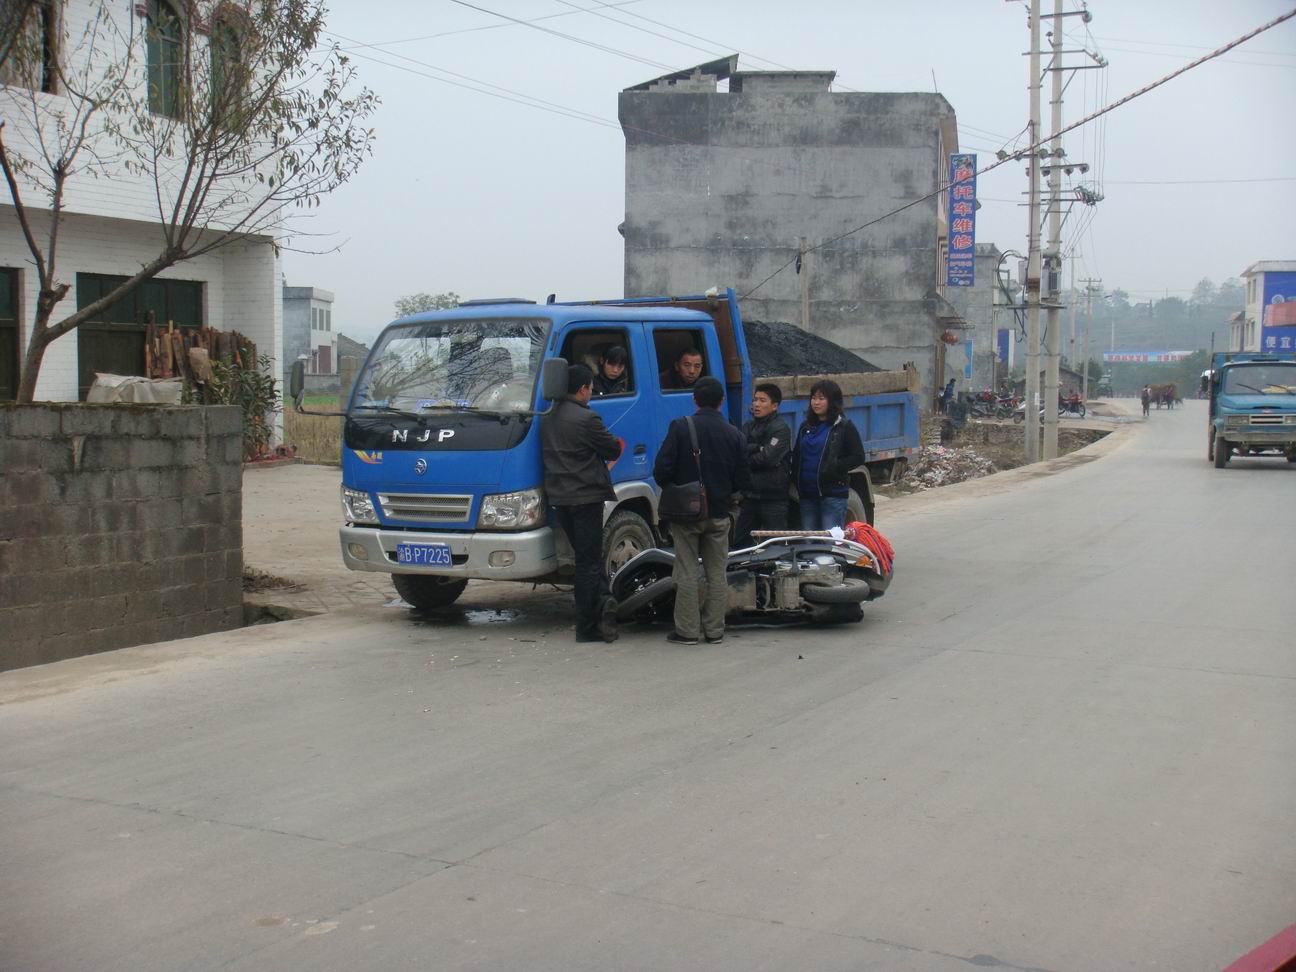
(786, 576)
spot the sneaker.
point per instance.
(675, 638)
(714, 641)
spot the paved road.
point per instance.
(1065, 740)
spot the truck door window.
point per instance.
(597, 348)
(681, 358)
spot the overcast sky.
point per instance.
(488, 197)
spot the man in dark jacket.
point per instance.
(722, 470)
(765, 505)
(577, 447)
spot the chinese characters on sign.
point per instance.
(960, 264)
(1144, 357)
(1278, 318)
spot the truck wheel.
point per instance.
(1222, 450)
(427, 592)
(1210, 444)
(857, 509)
(625, 535)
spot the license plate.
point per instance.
(424, 554)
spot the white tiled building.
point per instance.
(1268, 322)
(110, 229)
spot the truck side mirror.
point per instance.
(297, 382)
(553, 379)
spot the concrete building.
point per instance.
(109, 229)
(308, 331)
(1268, 322)
(724, 182)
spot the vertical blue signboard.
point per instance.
(1003, 339)
(1278, 315)
(960, 265)
(967, 368)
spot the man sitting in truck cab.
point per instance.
(684, 373)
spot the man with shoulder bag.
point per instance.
(577, 446)
(702, 471)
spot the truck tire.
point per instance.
(625, 535)
(1222, 451)
(1210, 444)
(851, 590)
(857, 509)
(426, 592)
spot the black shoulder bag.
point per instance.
(687, 502)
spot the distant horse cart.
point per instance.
(1167, 395)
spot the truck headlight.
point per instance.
(512, 511)
(357, 507)
(1233, 421)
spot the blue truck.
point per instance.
(1252, 406)
(441, 459)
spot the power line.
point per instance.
(570, 37)
(1195, 182)
(481, 27)
(1032, 148)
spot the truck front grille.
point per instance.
(1266, 420)
(425, 507)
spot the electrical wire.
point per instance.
(1107, 109)
(570, 37)
(480, 27)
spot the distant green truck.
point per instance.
(1252, 406)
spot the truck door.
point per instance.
(627, 413)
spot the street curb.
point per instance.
(916, 503)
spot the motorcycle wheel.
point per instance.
(851, 590)
(1081, 411)
(642, 604)
(836, 614)
(1019, 417)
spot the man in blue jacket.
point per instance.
(723, 472)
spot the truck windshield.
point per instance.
(1263, 379)
(489, 365)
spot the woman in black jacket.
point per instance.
(828, 447)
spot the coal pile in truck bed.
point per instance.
(776, 348)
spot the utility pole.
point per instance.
(1090, 290)
(1033, 248)
(1071, 303)
(1053, 258)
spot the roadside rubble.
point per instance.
(939, 465)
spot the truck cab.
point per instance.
(1252, 406)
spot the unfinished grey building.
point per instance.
(722, 187)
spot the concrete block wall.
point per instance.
(120, 525)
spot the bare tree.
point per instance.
(231, 136)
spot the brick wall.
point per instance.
(119, 525)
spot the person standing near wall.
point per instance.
(765, 505)
(828, 447)
(576, 447)
(721, 468)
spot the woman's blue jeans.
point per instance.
(822, 512)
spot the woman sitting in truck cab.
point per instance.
(612, 376)
(828, 447)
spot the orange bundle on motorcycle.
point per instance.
(878, 545)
